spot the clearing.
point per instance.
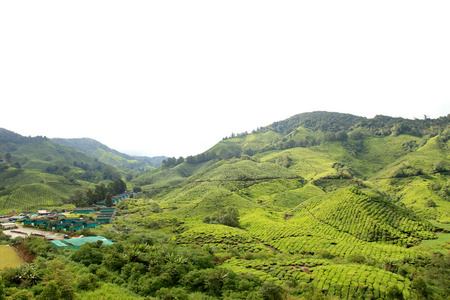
(9, 257)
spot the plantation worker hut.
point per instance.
(37, 222)
(68, 220)
(103, 219)
(17, 218)
(43, 212)
(56, 217)
(83, 210)
(28, 222)
(91, 224)
(105, 215)
(61, 226)
(75, 227)
(6, 226)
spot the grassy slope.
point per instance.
(10, 258)
(292, 202)
(31, 190)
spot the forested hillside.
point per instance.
(336, 187)
(110, 156)
(319, 206)
(38, 173)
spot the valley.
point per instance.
(319, 206)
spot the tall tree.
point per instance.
(108, 200)
(8, 157)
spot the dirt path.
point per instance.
(27, 231)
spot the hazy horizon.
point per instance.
(174, 78)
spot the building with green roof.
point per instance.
(73, 244)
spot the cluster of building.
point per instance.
(61, 222)
(57, 220)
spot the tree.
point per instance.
(118, 187)
(271, 291)
(2, 289)
(431, 203)
(341, 136)
(109, 173)
(50, 292)
(330, 136)
(355, 135)
(8, 157)
(88, 254)
(108, 200)
(100, 192)
(79, 198)
(228, 216)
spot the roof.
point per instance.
(76, 243)
(88, 239)
(58, 243)
(84, 208)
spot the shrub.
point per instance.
(393, 292)
(87, 282)
(50, 292)
(356, 258)
(174, 293)
(271, 291)
(431, 203)
(324, 253)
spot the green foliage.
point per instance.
(228, 216)
(87, 282)
(271, 291)
(50, 292)
(2, 289)
(38, 246)
(88, 253)
(323, 205)
(172, 294)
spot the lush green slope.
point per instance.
(110, 156)
(41, 174)
(28, 190)
(331, 200)
(323, 204)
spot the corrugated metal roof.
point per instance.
(58, 243)
(89, 239)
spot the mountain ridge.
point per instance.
(115, 158)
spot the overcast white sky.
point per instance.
(174, 77)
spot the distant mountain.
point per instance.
(110, 156)
(315, 128)
(36, 172)
(329, 150)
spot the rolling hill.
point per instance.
(110, 156)
(331, 186)
(322, 202)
